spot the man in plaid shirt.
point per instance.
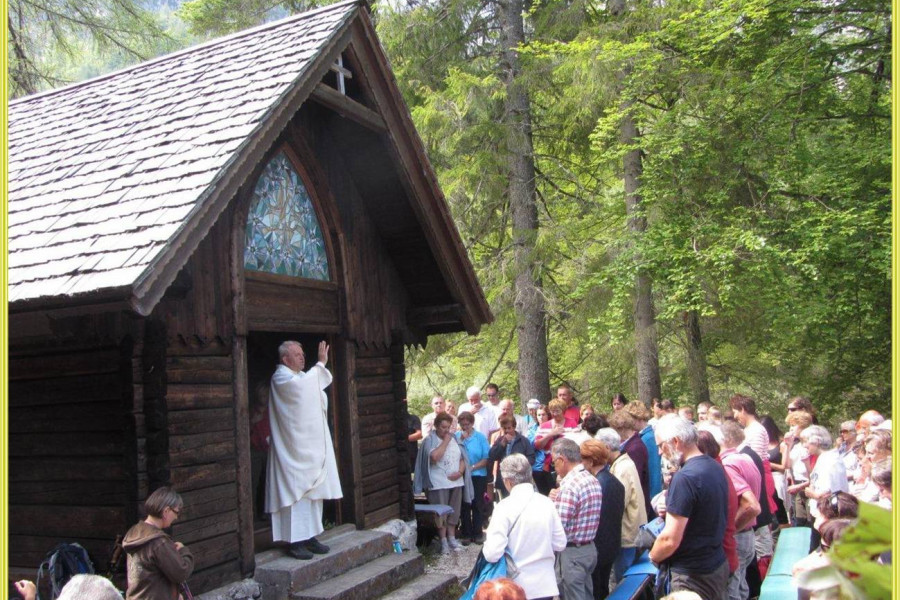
(577, 501)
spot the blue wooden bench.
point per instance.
(426, 521)
(638, 580)
(793, 544)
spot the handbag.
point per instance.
(487, 571)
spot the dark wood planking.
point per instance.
(382, 498)
(351, 459)
(374, 444)
(199, 396)
(214, 551)
(376, 477)
(241, 431)
(276, 307)
(88, 443)
(382, 515)
(199, 476)
(373, 367)
(376, 426)
(374, 386)
(66, 521)
(71, 493)
(51, 366)
(185, 422)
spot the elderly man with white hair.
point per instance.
(867, 421)
(89, 587)
(485, 417)
(527, 524)
(508, 407)
(690, 544)
(302, 470)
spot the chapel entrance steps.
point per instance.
(361, 565)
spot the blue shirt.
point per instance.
(538, 454)
(653, 461)
(477, 446)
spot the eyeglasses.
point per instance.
(177, 511)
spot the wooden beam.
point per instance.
(241, 432)
(348, 108)
(429, 316)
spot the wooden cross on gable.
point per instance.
(342, 73)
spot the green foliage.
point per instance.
(764, 135)
(213, 18)
(853, 568)
(54, 42)
(856, 550)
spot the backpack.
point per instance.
(62, 563)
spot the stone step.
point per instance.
(433, 586)
(280, 575)
(367, 581)
(279, 552)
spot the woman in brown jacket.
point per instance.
(157, 564)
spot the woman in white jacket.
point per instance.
(527, 524)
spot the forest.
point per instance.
(681, 199)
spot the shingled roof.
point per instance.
(107, 176)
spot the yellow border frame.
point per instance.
(4, 439)
(4, 325)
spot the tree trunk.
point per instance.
(696, 358)
(646, 347)
(534, 373)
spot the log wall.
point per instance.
(70, 474)
(195, 444)
(380, 389)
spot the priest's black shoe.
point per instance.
(315, 546)
(299, 550)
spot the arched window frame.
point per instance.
(321, 217)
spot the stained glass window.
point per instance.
(283, 233)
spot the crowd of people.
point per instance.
(567, 488)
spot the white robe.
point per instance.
(301, 455)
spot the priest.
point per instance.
(302, 471)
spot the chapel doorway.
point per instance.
(262, 359)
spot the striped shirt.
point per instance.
(578, 505)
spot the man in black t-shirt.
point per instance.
(414, 434)
(696, 510)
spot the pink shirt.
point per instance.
(743, 473)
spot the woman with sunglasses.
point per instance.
(157, 564)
